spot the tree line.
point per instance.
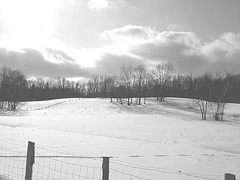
(132, 82)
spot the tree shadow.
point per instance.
(13, 113)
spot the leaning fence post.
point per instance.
(229, 176)
(105, 168)
(30, 160)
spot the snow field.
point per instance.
(166, 140)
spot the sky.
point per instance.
(78, 38)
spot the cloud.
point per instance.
(110, 63)
(224, 52)
(228, 45)
(129, 32)
(33, 63)
(184, 50)
(129, 45)
(103, 4)
(58, 55)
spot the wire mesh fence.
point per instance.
(60, 165)
(51, 168)
(12, 164)
(119, 175)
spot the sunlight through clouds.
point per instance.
(28, 22)
(95, 34)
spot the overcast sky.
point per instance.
(76, 38)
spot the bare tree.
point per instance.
(126, 79)
(147, 85)
(163, 73)
(111, 85)
(12, 85)
(103, 85)
(90, 88)
(18, 83)
(95, 80)
(201, 106)
(82, 89)
(204, 84)
(221, 87)
(140, 75)
(5, 81)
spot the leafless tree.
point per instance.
(95, 80)
(18, 84)
(204, 88)
(201, 106)
(127, 79)
(147, 85)
(163, 73)
(12, 85)
(140, 75)
(111, 84)
(221, 87)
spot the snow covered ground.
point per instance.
(166, 140)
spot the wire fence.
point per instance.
(54, 164)
(119, 175)
(51, 168)
(12, 164)
(61, 165)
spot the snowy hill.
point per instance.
(167, 135)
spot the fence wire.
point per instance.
(119, 175)
(55, 164)
(56, 168)
(12, 164)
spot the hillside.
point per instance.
(167, 135)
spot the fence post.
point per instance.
(30, 160)
(105, 168)
(229, 176)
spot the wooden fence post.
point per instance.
(30, 160)
(105, 168)
(229, 176)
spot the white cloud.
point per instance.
(103, 4)
(131, 45)
(129, 32)
(184, 49)
(227, 46)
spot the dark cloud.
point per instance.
(183, 49)
(226, 64)
(183, 57)
(111, 64)
(32, 63)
